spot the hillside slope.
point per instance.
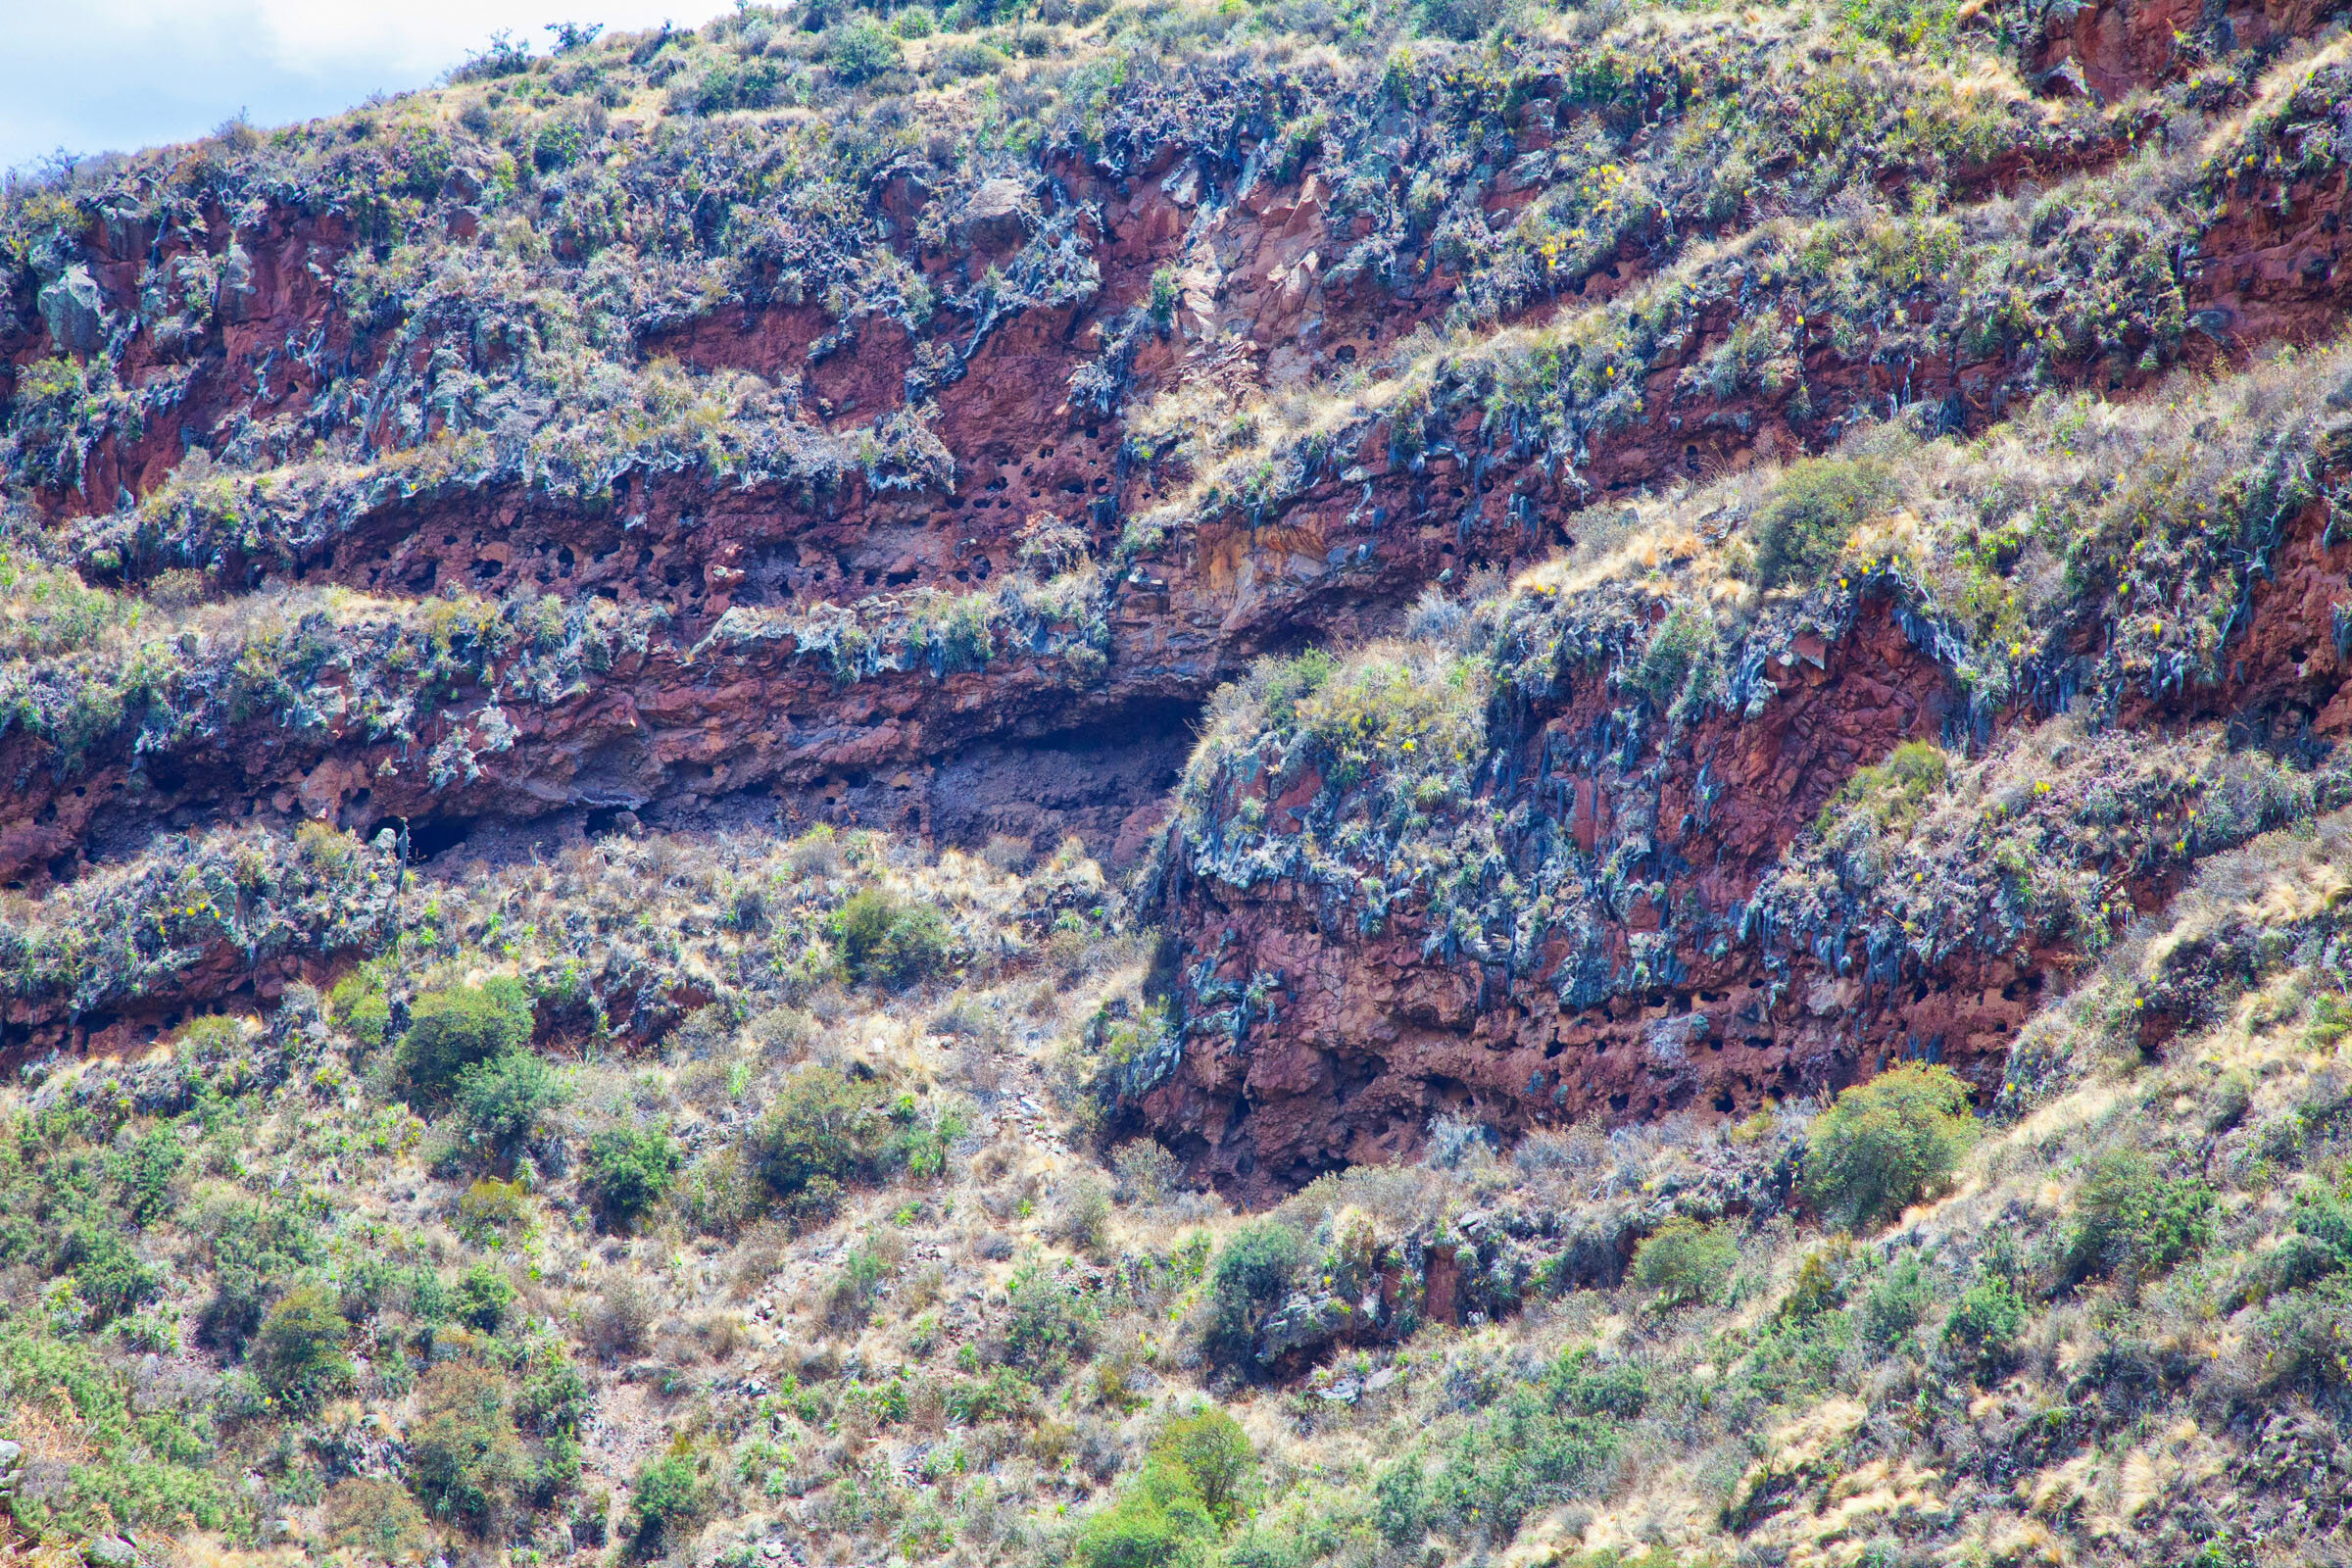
(1253, 786)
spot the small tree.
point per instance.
(1886, 1144)
(860, 50)
(1981, 1333)
(466, 1460)
(1047, 1323)
(297, 1353)
(892, 943)
(505, 1100)
(2134, 1223)
(358, 1004)
(453, 1028)
(483, 1298)
(1252, 1271)
(668, 1494)
(628, 1170)
(1198, 1480)
(1817, 505)
(1685, 1262)
(1214, 1458)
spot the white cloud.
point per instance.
(95, 75)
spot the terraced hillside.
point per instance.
(1236, 786)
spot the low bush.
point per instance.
(482, 1299)
(359, 1007)
(492, 1212)
(466, 1460)
(1197, 1480)
(1251, 1274)
(669, 1496)
(1818, 502)
(1980, 1335)
(456, 1027)
(375, 1519)
(1539, 1443)
(147, 1171)
(1677, 648)
(254, 1249)
(628, 1170)
(298, 1350)
(505, 1101)
(825, 1131)
(1049, 1323)
(858, 51)
(2132, 1223)
(1892, 793)
(1895, 1302)
(886, 942)
(108, 1275)
(1886, 1144)
(1685, 1263)
(618, 1325)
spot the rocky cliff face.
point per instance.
(510, 459)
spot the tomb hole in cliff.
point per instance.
(431, 836)
(1107, 783)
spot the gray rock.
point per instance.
(111, 1551)
(73, 311)
(235, 298)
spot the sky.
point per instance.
(113, 76)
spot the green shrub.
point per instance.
(505, 1101)
(1167, 292)
(106, 1274)
(1400, 1503)
(491, 1212)
(298, 1351)
(1679, 647)
(1886, 1144)
(890, 943)
(254, 1249)
(1251, 1273)
(628, 1170)
(147, 1171)
(553, 1398)
(375, 1519)
(860, 50)
(456, 1027)
(2132, 1223)
(466, 1461)
(1460, 20)
(859, 1283)
(1893, 792)
(1897, 1303)
(824, 1132)
(2301, 1340)
(482, 1299)
(1049, 1323)
(1685, 1262)
(1208, 1453)
(669, 1496)
(1541, 1441)
(1818, 502)
(1198, 1479)
(1145, 1528)
(1980, 1335)
(359, 1008)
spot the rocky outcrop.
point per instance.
(1633, 914)
(946, 508)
